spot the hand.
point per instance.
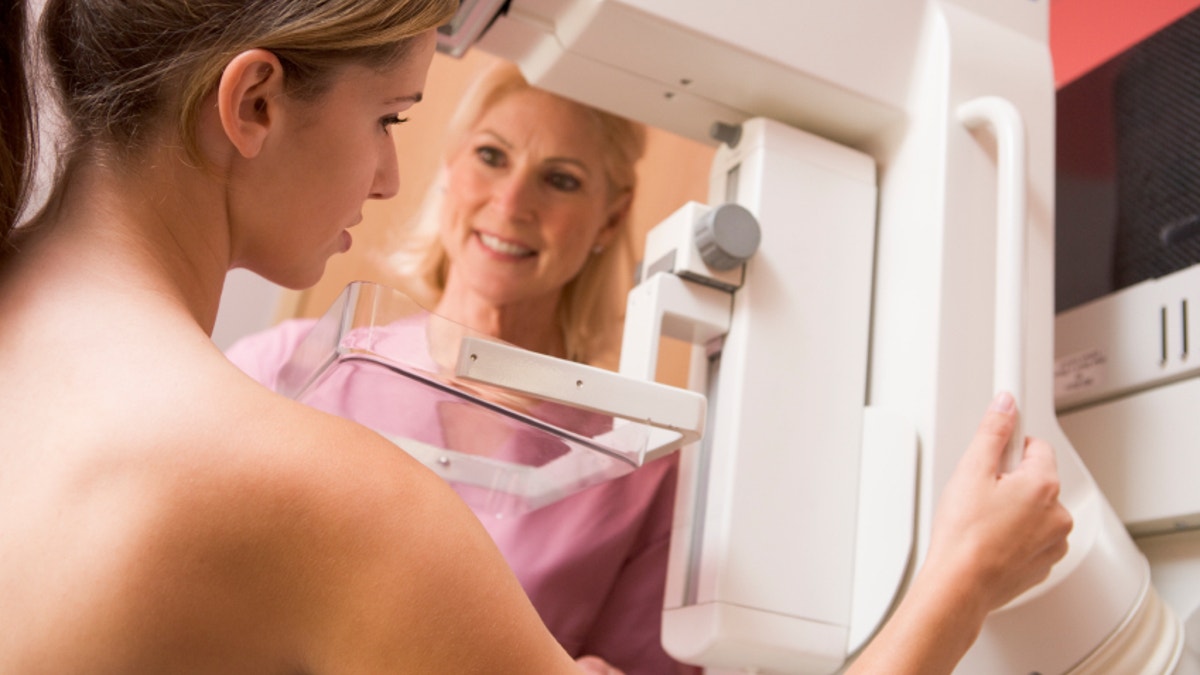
(597, 665)
(999, 533)
(994, 535)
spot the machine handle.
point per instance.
(1008, 372)
(679, 411)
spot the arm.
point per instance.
(420, 585)
(994, 536)
(330, 550)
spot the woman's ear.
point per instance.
(618, 212)
(247, 99)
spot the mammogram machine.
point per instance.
(875, 260)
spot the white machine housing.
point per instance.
(874, 295)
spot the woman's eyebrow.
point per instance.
(497, 137)
(409, 98)
(572, 161)
(501, 140)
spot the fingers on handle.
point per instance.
(1058, 546)
(994, 431)
(1039, 457)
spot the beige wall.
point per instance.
(673, 171)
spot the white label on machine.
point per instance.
(1079, 372)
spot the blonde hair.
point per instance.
(592, 304)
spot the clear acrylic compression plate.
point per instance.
(552, 427)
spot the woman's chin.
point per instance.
(297, 279)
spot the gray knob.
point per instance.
(729, 134)
(727, 236)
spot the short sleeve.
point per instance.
(262, 355)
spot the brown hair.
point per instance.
(593, 303)
(18, 133)
(123, 69)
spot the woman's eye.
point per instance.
(563, 181)
(392, 120)
(490, 155)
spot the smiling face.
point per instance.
(526, 201)
(325, 158)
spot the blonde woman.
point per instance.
(588, 303)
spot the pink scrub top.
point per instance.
(593, 564)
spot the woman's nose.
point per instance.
(387, 173)
(514, 195)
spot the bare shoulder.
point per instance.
(326, 540)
